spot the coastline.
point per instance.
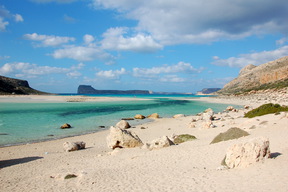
(191, 166)
(60, 98)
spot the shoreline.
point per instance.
(61, 98)
(190, 166)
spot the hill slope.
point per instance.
(9, 86)
(269, 75)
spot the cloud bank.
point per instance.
(201, 21)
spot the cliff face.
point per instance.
(273, 74)
(88, 89)
(10, 86)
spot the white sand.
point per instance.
(59, 98)
(190, 166)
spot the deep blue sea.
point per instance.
(32, 122)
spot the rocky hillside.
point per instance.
(271, 75)
(9, 86)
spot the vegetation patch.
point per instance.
(70, 176)
(266, 109)
(183, 138)
(232, 133)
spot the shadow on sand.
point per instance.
(11, 162)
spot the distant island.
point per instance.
(88, 89)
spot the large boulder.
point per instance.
(73, 146)
(159, 143)
(244, 154)
(123, 124)
(120, 138)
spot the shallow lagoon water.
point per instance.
(31, 122)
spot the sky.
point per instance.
(158, 45)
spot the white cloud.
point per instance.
(22, 69)
(48, 40)
(81, 53)
(180, 67)
(6, 15)
(3, 24)
(282, 41)
(201, 21)
(88, 39)
(18, 18)
(110, 74)
(114, 40)
(252, 58)
(172, 79)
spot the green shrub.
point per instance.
(266, 109)
(70, 176)
(232, 133)
(183, 138)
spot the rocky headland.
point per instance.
(10, 86)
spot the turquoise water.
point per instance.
(31, 122)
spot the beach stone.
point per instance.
(120, 138)
(230, 108)
(73, 146)
(192, 125)
(154, 116)
(245, 154)
(159, 143)
(123, 124)
(138, 116)
(207, 125)
(178, 116)
(65, 126)
(208, 115)
(246, 107)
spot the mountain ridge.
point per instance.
(270, 75)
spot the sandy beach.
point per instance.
(190, 166)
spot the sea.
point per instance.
(22, 123)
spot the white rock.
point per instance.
(230, 108)
(122, 139)
(178, 115)
(208, 115)
(123, 124)
(73, 146)
(159, 143)
(244, 154)
(207, 125)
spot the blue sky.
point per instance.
(172, 45)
